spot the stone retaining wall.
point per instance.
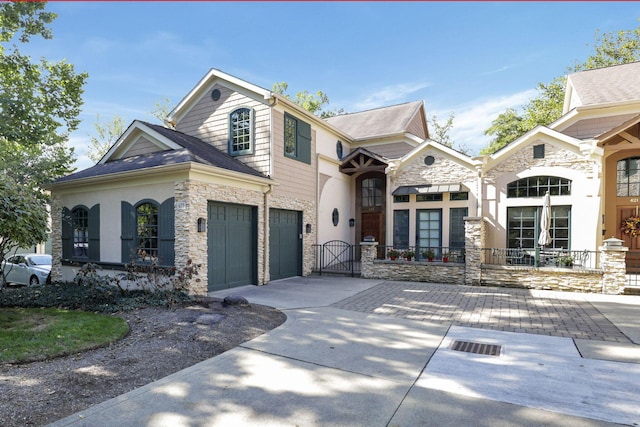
(609, 278)
(557, 279)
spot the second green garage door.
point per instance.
(232, 237)
(285, 243)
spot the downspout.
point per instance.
(265, 252)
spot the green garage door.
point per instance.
(232, 249)
(285, 244)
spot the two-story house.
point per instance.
(245, 182)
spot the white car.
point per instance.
(26, 269)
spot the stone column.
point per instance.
(56, 239)
(369, 251)
(190, 243)
(613, 265)
(474, 232)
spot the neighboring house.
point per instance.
(245, 182)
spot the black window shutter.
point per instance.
(67, 234)
(304, 142)
(128, 232)
(94, 233)
(166, 232)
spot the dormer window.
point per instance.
(241, 131)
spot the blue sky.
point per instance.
(472, 59)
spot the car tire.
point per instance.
(2, 281)
(33, 281)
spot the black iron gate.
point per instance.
(336, 256)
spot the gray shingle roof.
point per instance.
(610, 84)
(391, 120)
(194, 150)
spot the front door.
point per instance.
(372, 226)
(633, 255)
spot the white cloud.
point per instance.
(388, 96)
(473, 118)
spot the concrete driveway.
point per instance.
(356, 352)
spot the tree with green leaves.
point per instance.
(107, 135)
(313, 103)
(23, 216)
(40, 101)
(609, 49)
(39, 107)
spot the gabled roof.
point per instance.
(539, 133)
(206, 83)
(362, 160)
(620, 133)
(615, 84)
(386, 121)
(190, 149)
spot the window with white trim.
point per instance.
(241, 131)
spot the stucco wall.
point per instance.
(559, 161)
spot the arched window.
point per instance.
(241, 131)
(147, 230)
(80, 225)
(628, 177)
(537, 186)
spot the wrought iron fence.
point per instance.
(336, 256)
(542, 258)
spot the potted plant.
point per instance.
(445, 256)
(408, 254)
(565, 261)
(393, 254)
(428, 254)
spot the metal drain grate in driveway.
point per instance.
(476, 347)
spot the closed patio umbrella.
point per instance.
(545, 221)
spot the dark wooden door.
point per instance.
(633, 256)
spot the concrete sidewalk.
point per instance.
(379, 365)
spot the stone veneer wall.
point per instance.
(610, 278)
(191, 201)
(553, 157)
(418, 271)
(557, 279)
(443, 170)
(56, 239)
(614, 266)
(474, 235)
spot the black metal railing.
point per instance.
(421, 253)
(336, 256)
(575, 259)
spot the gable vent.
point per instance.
(477, 348)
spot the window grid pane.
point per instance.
(537, 186)
(401, 228)
(240, 130)
(80, 232)
(523, 227)
(628, 177)
(428, 228)
(371, 192)
(147, 230)
(456, 227)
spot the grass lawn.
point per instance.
(29, 334)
